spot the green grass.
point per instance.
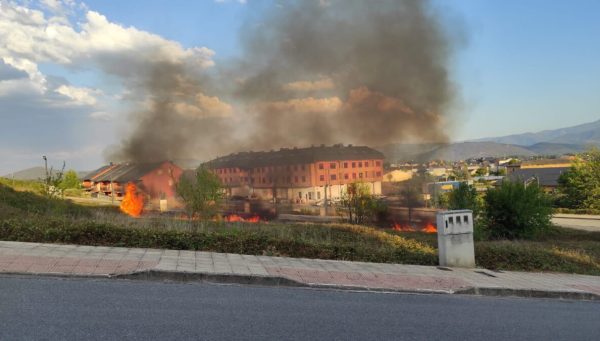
(25, 216)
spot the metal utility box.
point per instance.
(455, 238)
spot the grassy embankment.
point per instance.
(25, 216)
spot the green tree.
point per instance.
(412, 194)
(52, 180)
(465, 198)
(201, 193)
(481, 171)
(70, 181)
(514, 210)
(359, 205)
(580, 186)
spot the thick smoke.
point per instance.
(310, 72)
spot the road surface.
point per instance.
(87, 309)
(579, 222)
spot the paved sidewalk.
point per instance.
(74, 260)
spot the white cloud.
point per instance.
(102, 115)
(321, 84)
(80, 96)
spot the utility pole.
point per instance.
(47, 179)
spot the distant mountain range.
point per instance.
(33, 173)
(583, 134)
(549, 142)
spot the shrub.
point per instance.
(514, 210)
(465, 198)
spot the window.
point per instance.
(309, 195)
(346, 176)
(264, 180)
(295, 167)
(300, 195)
(359, 164)
(332, 165)
(466, 219)
(378, 174)
(333, 177)
(296, 179)
(353, 164)
(353, 175)
(377, 163)
(302, 167)
(360, 175)
(303, 178)
(220, 171)
(366, 163)
(322, 177)
(318, 195)
(345, 164)
(321, 166)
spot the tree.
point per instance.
(481, 171)
(580, 186)
(514, 210)
(70, 180)
(411, 192)
(359, 204)
(465, 198)
(201, 194)
(52, 180)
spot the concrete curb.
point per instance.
(277, 281)
(286, 282)
(162, 275)
(529, 293)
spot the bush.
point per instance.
(514, 210)
(465, 198)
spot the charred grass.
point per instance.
(27, 217)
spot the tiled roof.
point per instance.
(123, 172)
(546, 176)
(286, 156)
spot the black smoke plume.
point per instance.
(310, 72)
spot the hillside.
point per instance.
(453, 152)
(33, 173)
(547, 148)
(581, 135)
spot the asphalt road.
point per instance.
(577, 222)
(85, 309)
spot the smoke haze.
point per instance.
(310, 72)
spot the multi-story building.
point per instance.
(301, 175)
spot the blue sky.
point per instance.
(526, 66)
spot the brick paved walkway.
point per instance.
(74, 260)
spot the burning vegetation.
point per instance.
(426, 228)
(133, 202)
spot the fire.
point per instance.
(236, 218)
(405, 228)
(133, 203)
(428, 228)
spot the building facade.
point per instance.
(299, 175)
(156, 180)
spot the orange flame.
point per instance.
(405, 228)
(429, 228)
(133, 203)
(236, 218)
